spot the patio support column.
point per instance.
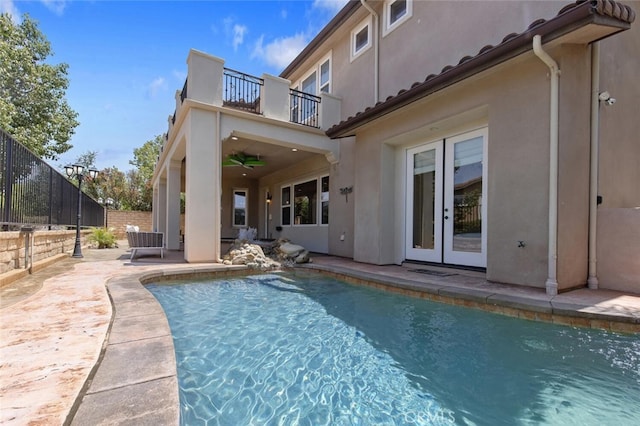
(172, 234)
(161, 212)
(203, 187)
(161, 219)
(154, 209)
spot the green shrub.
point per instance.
(103, 237)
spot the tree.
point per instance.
(141, 192)
(33, 107)
(112, 183)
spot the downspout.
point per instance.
(376, 51)
(552, 282)
(592, 280)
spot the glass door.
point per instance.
(465, 239)
(424, 204)
(446, 201)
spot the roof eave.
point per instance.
(559, 26)
(344, 14)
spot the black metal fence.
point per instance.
(305, 108)
(33, 193)
(242, 91)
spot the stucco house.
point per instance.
(495, 135)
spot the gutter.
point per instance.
(376, 56)
(592, 280)
(554, 72)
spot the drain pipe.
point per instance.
(592, 280)
(552, 282)
(376, 51)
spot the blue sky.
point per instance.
(127, 58)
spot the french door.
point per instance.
(446, 200)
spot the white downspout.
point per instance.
(552, 281)
(376, 51)
(592, 280)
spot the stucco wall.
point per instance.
(312, 237)
(514, 102)
(618, 251)
(618, 236)
(253, 203)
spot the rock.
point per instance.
(303, 257)
(291, 250)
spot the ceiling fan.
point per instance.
(244, 160)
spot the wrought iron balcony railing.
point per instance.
(241, 91)
(305, 108)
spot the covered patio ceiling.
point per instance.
(275, 157)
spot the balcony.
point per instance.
(210, 82)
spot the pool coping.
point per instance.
(139, 336)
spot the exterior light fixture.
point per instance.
(107, 203)
(78, 171)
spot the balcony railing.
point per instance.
(242, 91)
(305, 108)
(183, 94)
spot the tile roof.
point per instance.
(569, 18)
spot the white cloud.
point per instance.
(233, 31)
(238, 35)
(7, 6)
(333, 6)
(156, 86)
(56, 6)
(280, 52)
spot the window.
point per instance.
(305, 203)
(324, 200)
(361, 38)
(240, 207)
(286, 206)
(309, 84)
(318, 79)
(310, 201)
(395, 13)
(325, 77)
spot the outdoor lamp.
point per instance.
(77, 171)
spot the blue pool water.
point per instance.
(303, 349)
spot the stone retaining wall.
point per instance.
(44, 244)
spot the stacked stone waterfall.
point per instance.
(246, 251)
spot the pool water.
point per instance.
(304, 349)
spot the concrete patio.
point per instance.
(83, 342)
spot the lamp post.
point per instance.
(77, 171)
(106, 203)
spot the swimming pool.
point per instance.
(306, 349)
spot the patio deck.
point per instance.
(82, 342)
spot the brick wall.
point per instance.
(119, 219)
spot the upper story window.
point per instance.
(361, 38)
(395, 13)
(325, 77)
(318, 78)
(309, 84)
